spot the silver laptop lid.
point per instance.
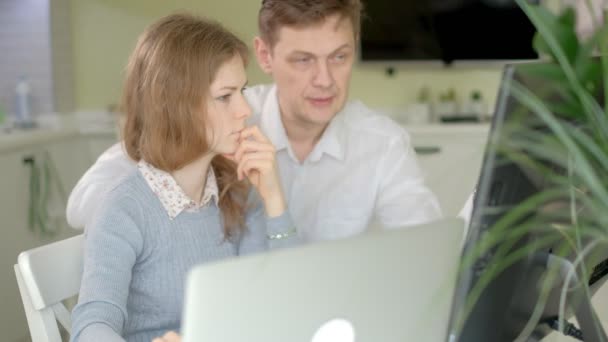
(385, 285)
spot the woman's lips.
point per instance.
(238, 131)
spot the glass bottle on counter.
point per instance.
(23, 109)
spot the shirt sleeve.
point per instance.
(111, 245)
(109, 169)
(265, 232)
(403, 197)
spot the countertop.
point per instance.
(59, 128)
(99, 124)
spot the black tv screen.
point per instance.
(446, 30)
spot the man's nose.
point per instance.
(323, 75)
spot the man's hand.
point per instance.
(170, 336)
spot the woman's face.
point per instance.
(227, 108)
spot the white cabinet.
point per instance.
(450, 157)
(71, 155)
(16, 234)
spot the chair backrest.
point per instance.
(46, 276)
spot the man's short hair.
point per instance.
(275, 14)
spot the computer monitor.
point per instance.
(509, 300)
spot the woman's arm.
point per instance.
(264, 232)
(112, 243)
(269, 224)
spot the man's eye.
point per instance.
(304, 60)
(340, 58)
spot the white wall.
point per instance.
(25, 49)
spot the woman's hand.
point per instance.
(170, 336)
(256, 160)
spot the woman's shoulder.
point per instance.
(129, 197)
(133, 186)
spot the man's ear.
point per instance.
(263, 54)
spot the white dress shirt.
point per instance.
(362, 170)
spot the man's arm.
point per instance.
(109, 169)
(403, 198)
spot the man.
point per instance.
(341, 165)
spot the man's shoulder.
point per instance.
(365, 121)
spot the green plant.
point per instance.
(570, 213)
(424, 95)
(476, 95)
(448, 96)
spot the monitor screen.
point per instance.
(507, 302)
(445, 30)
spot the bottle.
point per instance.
(23, 113)
(2, 118)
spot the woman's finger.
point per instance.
(251, 166)
(263, 156)
(248, 146)
(170, 336)
(254, 133)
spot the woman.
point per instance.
(186, 203)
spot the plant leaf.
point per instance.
(563, 29)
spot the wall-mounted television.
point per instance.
(446, 31)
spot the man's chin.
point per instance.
(324, 116)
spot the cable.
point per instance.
(569, 329)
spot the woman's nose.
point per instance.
(243, 110)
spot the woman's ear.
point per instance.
(263, 54)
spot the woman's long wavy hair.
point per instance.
(164, 99)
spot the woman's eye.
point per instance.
(224, 97)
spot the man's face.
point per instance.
(311, 67)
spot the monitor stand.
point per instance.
(586, 316)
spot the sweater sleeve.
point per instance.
(265, 232)
(112, 243)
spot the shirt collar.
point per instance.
(171, 195)
(332, 141)
(271, 123)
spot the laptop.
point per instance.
(392, 285)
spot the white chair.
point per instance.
(47, 276)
